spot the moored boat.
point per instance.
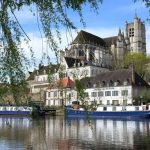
(110, 112)
(16, 110)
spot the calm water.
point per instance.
(56, 133)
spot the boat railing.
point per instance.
(15, 108)
(122, 108)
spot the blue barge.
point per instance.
(110, 112)
(16, 110)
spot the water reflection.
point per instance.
(57, 133)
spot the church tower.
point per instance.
(121, 46)
(136, 34)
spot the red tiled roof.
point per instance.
(65, 82)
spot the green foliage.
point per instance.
(138, 60)
(145, 96)
(80, 90)
(52, 15)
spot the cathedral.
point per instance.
(89, 55)
(89, 58)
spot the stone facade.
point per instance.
(88, 56)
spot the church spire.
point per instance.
(135, 16)
(119, 33)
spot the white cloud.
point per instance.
(39, 47)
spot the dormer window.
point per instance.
(111, 83)
(118, 81)
(115, 83)
(89, 84)
(107, 84)
(103, 83)
(126, 82)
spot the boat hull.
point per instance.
(22, 113)
(106, 114)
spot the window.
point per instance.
(115, 102)
(94, 94)
(104, 108)
(86, 94)
(107, 93)
(100, 94)
(49, 94)
(55, 93)
(125, 83)
(114, 93)
(100, 102)
(107, 84)
(131, 32)
(115, 83)
(93, 72)
(108, 102)
(114, 108)
(124, 92)
(111, 83)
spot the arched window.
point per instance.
(81, 53)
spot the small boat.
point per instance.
(16, 110)
(110, 112)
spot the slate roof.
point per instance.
(70, 61)
(84, 37)
(41, 71)
(117, 75)
(110, 40)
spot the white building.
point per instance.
(62, 92)
(38, 81)
(119, 87)
(90, 56)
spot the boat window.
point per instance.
(4, 108)
(137, 108)
(104, 108)
(114, 108)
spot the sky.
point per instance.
(112, 15)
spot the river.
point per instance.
(57, 133)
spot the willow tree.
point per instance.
(52, 15)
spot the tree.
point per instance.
(52, 14)
(138, 60)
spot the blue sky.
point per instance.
(111, 16)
